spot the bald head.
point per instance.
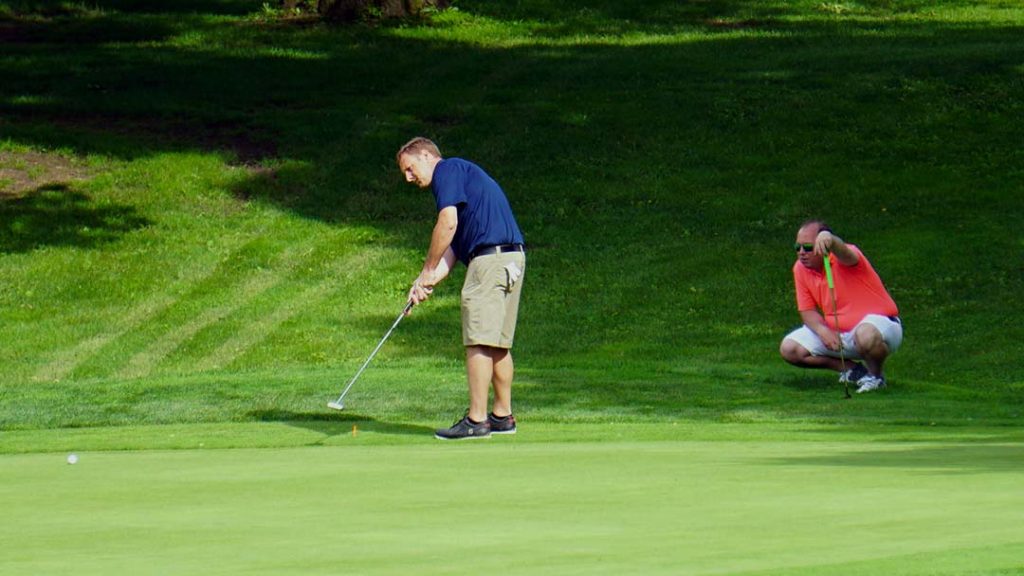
(813, 228)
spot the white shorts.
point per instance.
(891, 330)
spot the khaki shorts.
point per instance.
(490, 299)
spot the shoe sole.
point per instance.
(506, 432)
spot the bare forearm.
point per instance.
(440, 242)
(815, 321)
(431, 276)
(440, 256)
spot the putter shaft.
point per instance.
(339, 403)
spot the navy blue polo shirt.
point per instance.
(485, 216)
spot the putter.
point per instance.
(339, 404)
(835, 315)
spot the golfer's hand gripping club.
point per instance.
(418, 293)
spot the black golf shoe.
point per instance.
(504, 425)
(465, 429)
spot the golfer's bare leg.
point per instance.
(797, 355)
(872, 347)
(502, 381)
(479, 373)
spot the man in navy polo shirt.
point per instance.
(474, 225)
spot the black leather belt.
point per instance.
(499, 249)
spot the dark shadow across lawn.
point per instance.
(341, 111)
(57, 215)
(30, 8)
(570, 19)
(333, 423)
(969, 458)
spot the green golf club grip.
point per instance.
(828, 271)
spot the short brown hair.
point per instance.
(417, 145)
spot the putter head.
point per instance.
(335, 405)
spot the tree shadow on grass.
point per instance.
(568, 19)
(340, 129)
(55, 215)
(62, 8)
(968, 458)
(337, 423)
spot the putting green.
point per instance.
(611, 507)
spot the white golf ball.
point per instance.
(72, 458)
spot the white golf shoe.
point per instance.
(869, 383)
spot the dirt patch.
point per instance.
(22, 172)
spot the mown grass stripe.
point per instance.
(142, 363)
(65, 361)
(258, 330)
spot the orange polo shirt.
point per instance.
(859, 291)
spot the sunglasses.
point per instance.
(803, 247)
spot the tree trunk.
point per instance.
(349, 10)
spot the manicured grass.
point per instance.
(616, 500)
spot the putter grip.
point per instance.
(828, 271)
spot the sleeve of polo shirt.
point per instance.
(804, 296)
(449, 186)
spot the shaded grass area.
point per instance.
(246, 239)
(56, 215)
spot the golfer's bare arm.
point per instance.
(815, 321)
(440, 256)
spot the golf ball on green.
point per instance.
(72, 458)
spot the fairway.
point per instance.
(600, 506)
